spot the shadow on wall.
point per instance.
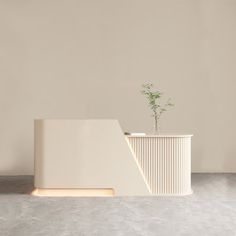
(230, 157)
(197, 160)
(20, 157)
(16, 184)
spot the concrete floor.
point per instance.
(211, 210)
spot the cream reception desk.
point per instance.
(94, 158)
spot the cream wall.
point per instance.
(87, 59)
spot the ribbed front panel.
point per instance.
(166, 163)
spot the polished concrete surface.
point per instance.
(211, 210)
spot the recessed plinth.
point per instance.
(106, 192)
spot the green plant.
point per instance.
(154, 98)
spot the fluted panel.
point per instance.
(166, 163)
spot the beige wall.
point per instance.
(87, 59)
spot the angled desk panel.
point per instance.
(79, 155)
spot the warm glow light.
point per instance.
(86, 192)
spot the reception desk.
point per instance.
(94, 158)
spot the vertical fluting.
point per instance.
(166, 163)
